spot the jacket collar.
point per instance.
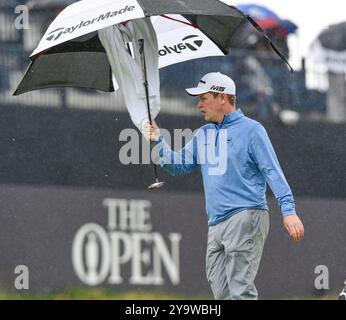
(233, 116)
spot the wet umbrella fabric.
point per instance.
(127, 68)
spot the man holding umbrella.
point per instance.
(89, 41)
(235, 195)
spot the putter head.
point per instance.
(156, 185)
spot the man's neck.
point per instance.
(227, 111)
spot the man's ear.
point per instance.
(223, 98)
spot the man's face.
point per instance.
(210, 107)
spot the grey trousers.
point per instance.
(234, 252)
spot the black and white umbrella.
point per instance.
(70, 53)
(329, 49)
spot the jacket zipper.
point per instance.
(218, 130)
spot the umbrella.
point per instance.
(267, 18)
(70, 53)
(329, 48)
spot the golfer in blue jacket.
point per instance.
(237, 160)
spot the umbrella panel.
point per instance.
(83, 65)
(196, 7)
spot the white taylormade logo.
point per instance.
(128, 250)
(57, 33)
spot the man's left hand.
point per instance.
(294, 227)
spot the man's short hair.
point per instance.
(231, 98)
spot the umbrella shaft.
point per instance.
(147, 97)
(155, 170)
(144, 69)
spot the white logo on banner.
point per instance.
(127, 246)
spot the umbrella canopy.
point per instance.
(329, 48)
(70, 52)
(267, 18)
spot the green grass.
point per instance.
(325, 297)
(104, 294)
(98, 294)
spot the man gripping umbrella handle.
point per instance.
(151, 132)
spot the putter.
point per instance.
(157, 184)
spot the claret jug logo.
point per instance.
(128, 251)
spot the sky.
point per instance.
(310, 17)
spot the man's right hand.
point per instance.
(294, 227)
(151, 132)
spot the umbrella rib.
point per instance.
(177, 20)
(273, 46)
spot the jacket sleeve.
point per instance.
(178, 163)
(264, 155)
